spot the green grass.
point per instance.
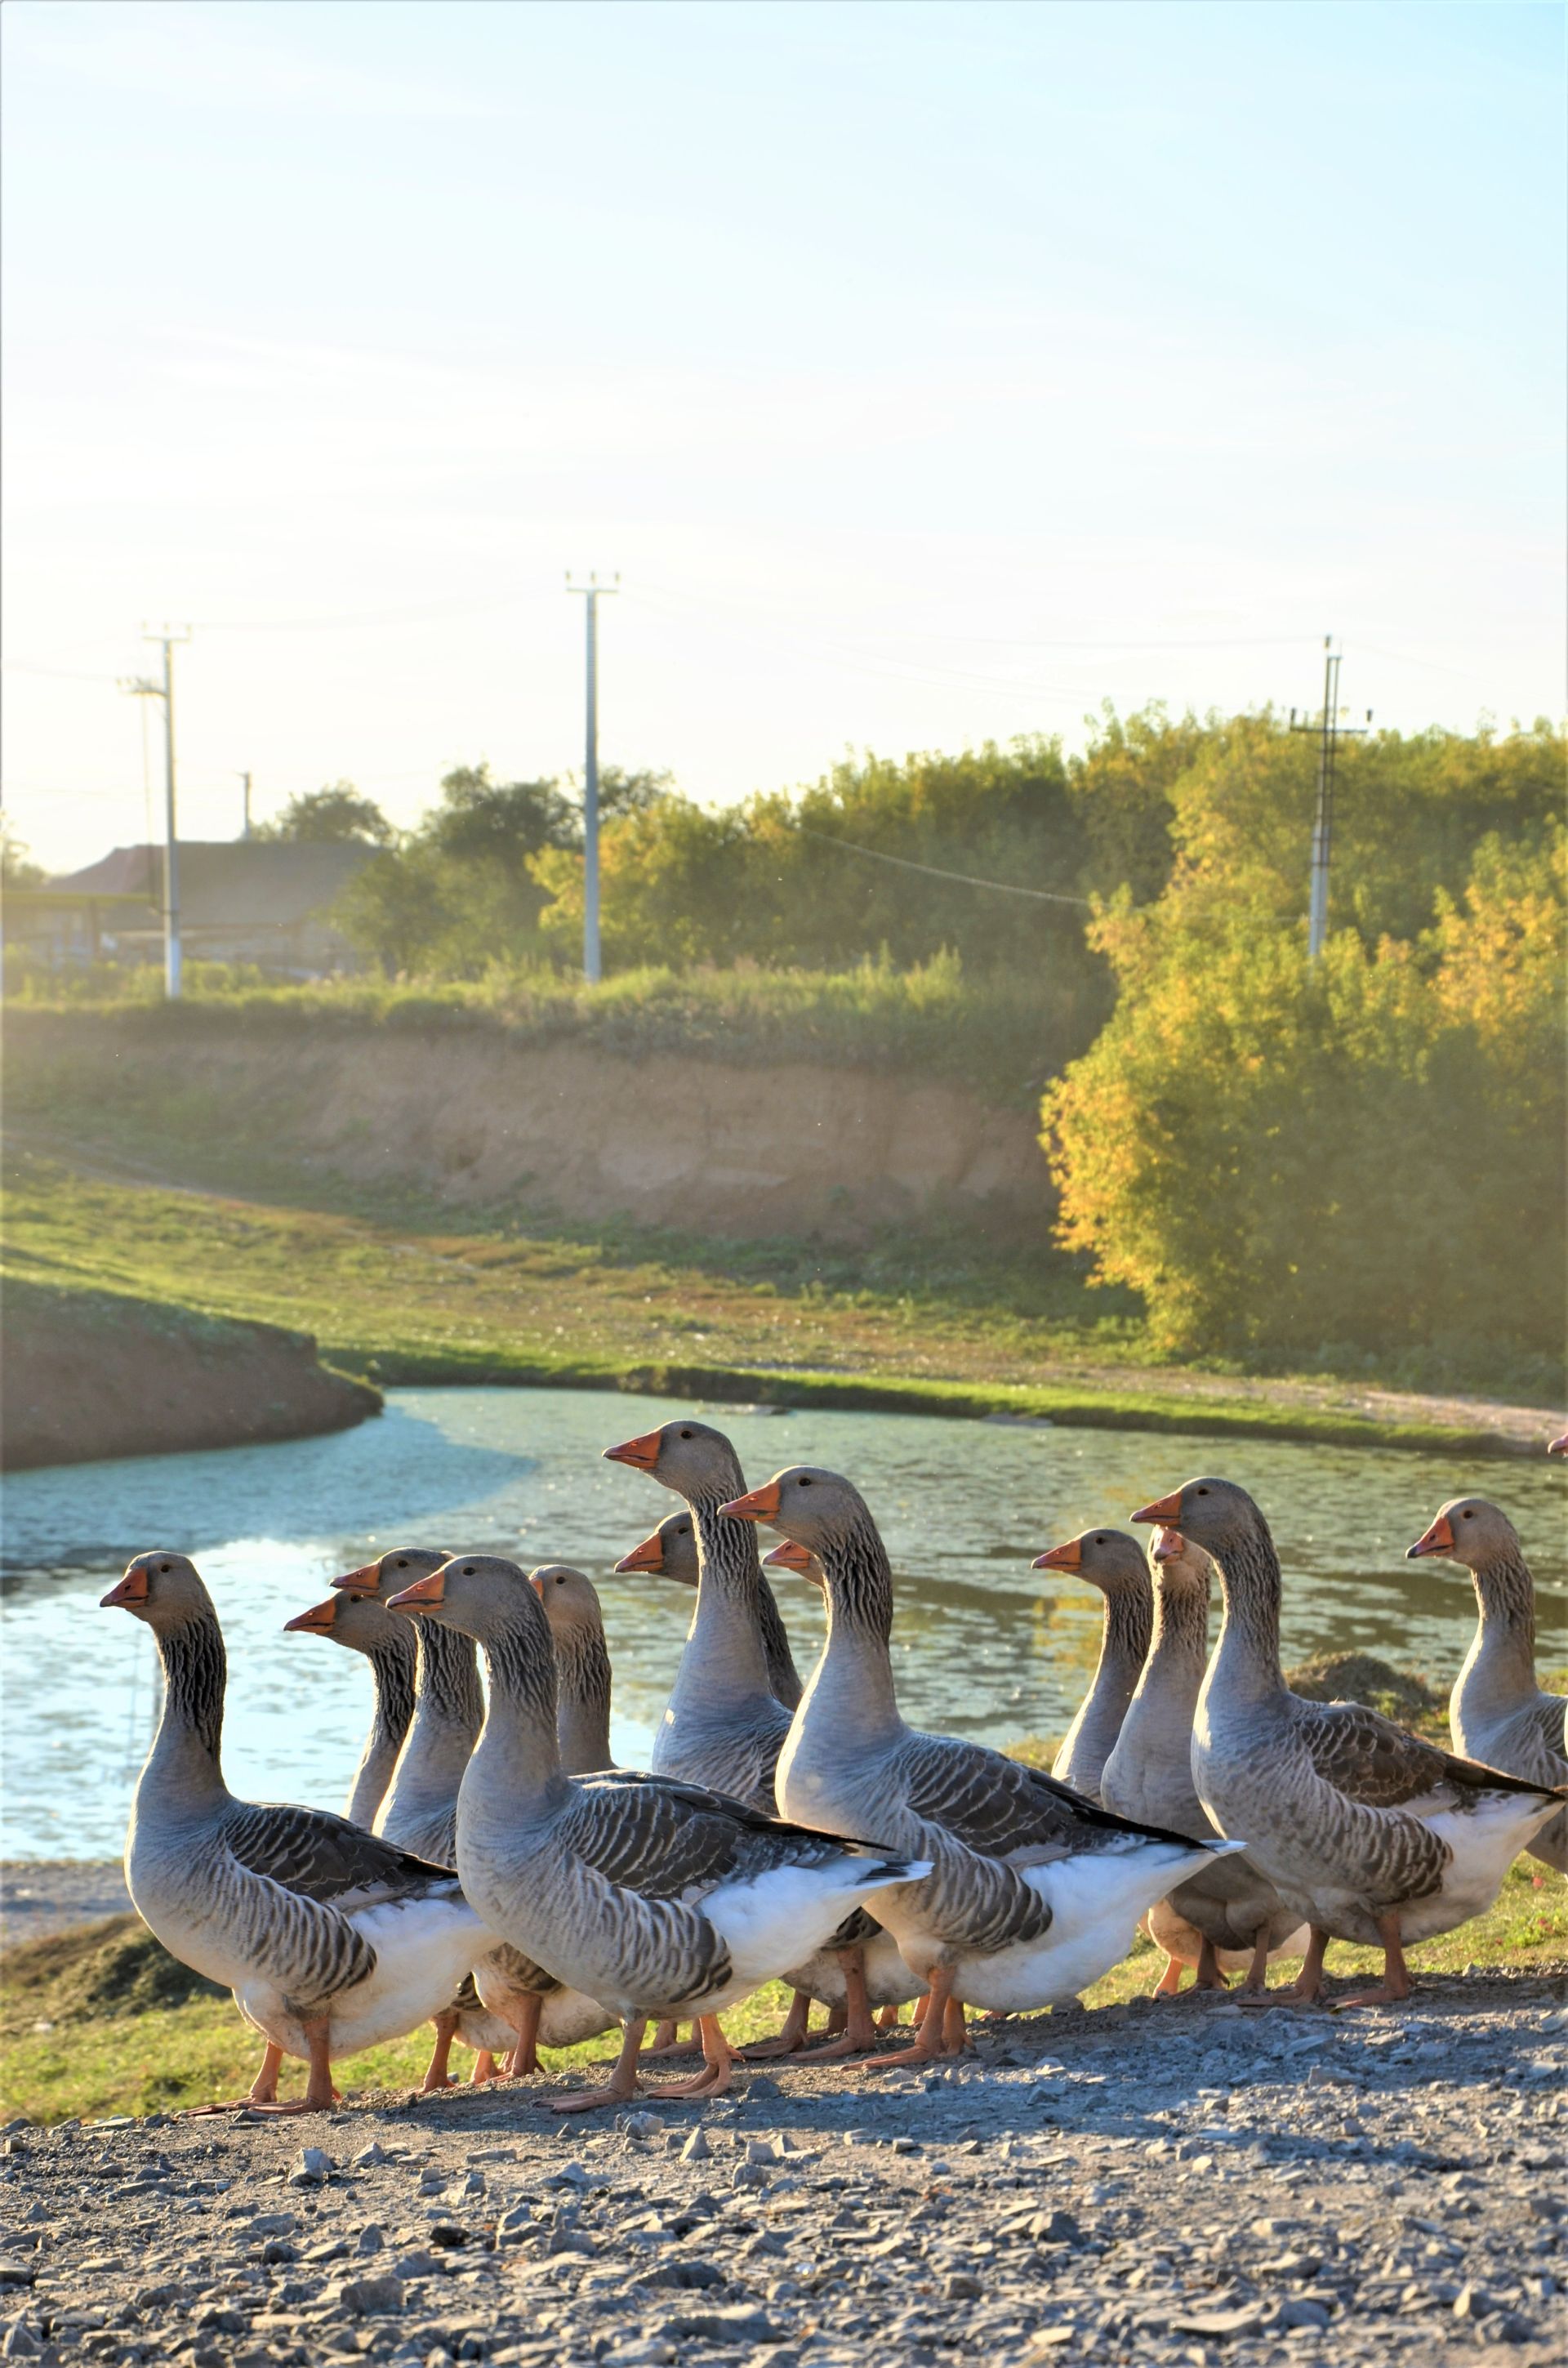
(143, 2059)
(401, 1298)
(1002, 1034)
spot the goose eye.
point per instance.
(803, 1483)
(164, 1566)
(686, 1434)
(1470, 1513)
(468, 1570)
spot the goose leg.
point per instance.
(955, 2030)
(1170, 1980)
(436, 2073)
(792, 2035)
(718, 2056)
(1256, 1983)
(263, 2089)
(888, 2019)
(1210, 1976)
(666, 2040)
(928, 2039)
(622, 2085)
(1395, 1984)
(484, 2069)
(837, 2016)
(1308, 1983)
(860, 2032)
(523, 2058)
(320, 2095)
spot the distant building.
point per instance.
(247, 900)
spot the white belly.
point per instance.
(422, 1950)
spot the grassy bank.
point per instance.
(86, 2034)
(399, 1298)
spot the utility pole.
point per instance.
(143, 686)
(1330, 732)
(590, 592)
(246, 779)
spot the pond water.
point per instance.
(984, 1645)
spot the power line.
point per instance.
(933, 871)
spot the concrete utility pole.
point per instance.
(143, 687)
(590, 592)
(246, 779)
(1330, 732)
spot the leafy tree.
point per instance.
(337, 815)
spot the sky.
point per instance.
(927, 373)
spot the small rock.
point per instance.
(368, 2157)
(220, 2322)
(722, 2326)
(760, 2085)
(963, 2287)
(642, 2125)
(761, 2150)
(1055, 2228)
(696, 2148)
(449, 2234)
(275, 2224)
(277, 2250)
(686, 2272)
(749, 2174)
(370, 2239)
(1220, 2325)
(369, 2296)
(313, 2169)
(21, 2342)
(1300, 2312)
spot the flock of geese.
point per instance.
(495, 1875)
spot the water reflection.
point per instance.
(982, 1644)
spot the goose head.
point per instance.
(390, 1572)
(811, 1506)
(1109, 1559)
(1214, 1514)
(356, 1621)
(571, 1601)
(1468, 1529)
(1180, 1568)
(164, 1589)
(698, 1462)
(481, 1596)
(668, 1552)
(1557, 1446)
(797, 1558)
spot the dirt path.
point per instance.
(1182, 2182)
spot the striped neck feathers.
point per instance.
(447, 1682)
(195, 1674)
(1249, 1580)
(582, 1687)
(860, 1583)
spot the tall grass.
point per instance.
(1004, 1034)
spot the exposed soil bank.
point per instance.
(88, 1374)
(567, 1129)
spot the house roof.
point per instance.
(226, 883)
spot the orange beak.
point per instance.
(316, 1622)
(1557, 1446)
(649, 1556)
(128, 1591)
(1167, 1510)
(1168, 1545)
(538, 1586)
(422, 1596)
(363, 1581)
(1437, 1540)
(642, 1453)
(758, 1505)
(1067, 1557)
(793, 1556)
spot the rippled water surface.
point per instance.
(984, 1645)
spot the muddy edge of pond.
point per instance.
(89, 1375)
(1175, 2181)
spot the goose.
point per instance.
(1367, 1833)
(1230, 1916)
(725, 1726)
(509, 2007)
(388, 1645)
(670, 1552)
(1557, 1446)
(659, 1896)
(582, 1665)
(331, 1939)
(1035, 1892)
(1114, 1562)
(1497, 1713)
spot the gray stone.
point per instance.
(367, 2296)
(963, 2287)
(722, 2326)
(368, 2157)
(1299, 2311)
(696, 2148)
(371, 2240)
(21, 2342)
(314, 2167)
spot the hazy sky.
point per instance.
(929, 372)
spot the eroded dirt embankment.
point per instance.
(87, 1373)
(746, 1150)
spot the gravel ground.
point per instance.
(1187, 2181)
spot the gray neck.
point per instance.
(724, 1663)
(851, 1688)
(1500, 1666)
(517, 1765)
(582, 1687)
(1246, 1659)
(1124, 1641)
(391, 1673)
(1178, 1645)
(783, 1678)
(184, 1768)
(448, 1711)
